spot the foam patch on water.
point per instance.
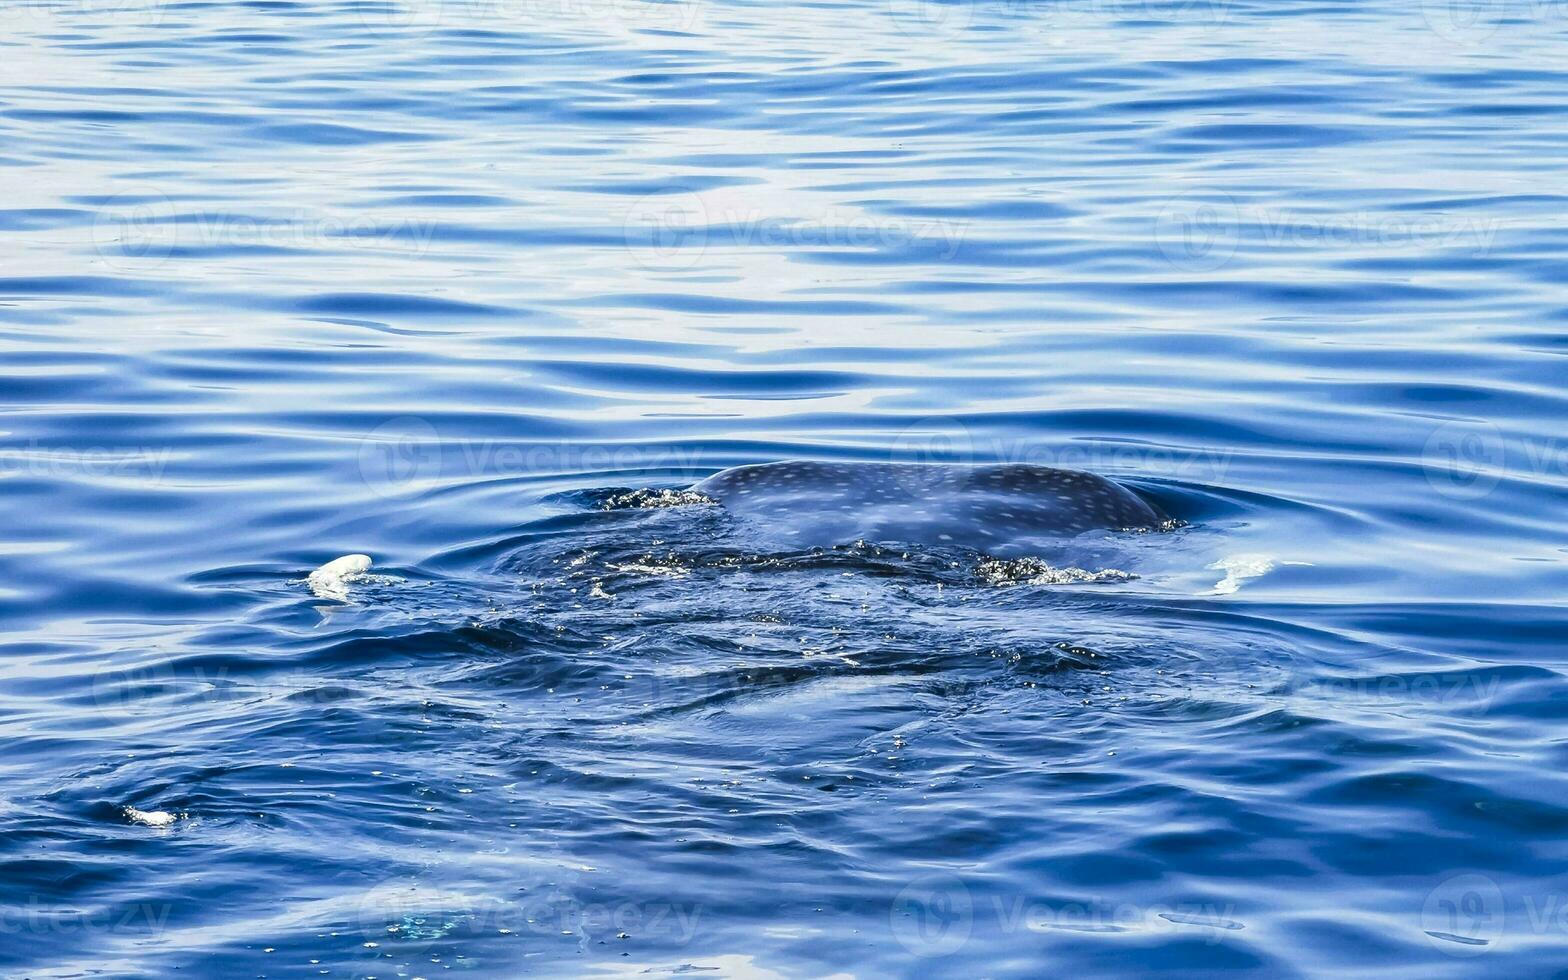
(642, 499)
(1164, 527)
(150, 818)
(1244, 568)
(652, 568)
(1034, 571)
(331, 581)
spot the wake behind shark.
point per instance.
(995, 509)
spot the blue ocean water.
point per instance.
(447, 282)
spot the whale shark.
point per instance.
(991, 508)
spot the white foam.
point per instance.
(639, 499)
(1033, 571)
(1243, 568)
(150, 818)
(331, 580)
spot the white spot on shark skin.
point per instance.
(150, 818)
(331, 580)
(1242, 568)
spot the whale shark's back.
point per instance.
(978, 506)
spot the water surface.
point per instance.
(448, 284)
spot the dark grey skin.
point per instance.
(987, 508)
